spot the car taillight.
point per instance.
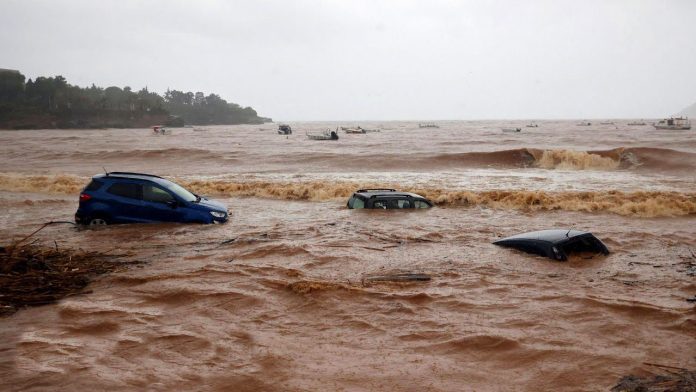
(84, 197)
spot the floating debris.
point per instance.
(681, 380)
(401, 277)
(32, 275)
(307, 286)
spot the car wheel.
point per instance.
(97, 221)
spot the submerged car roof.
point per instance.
(134, 176)
(551, 243)
(553, 236)
(385, 192)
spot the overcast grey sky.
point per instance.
(371, 59)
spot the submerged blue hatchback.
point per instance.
(122, 197)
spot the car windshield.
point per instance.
(356, 202)
(181, 192)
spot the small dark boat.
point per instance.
(641, 122)
(326, 135)
(284, 129)
(428, 125)
(159, 130)
(353, 130)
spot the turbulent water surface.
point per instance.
(277, 298)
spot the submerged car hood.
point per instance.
(210, 205)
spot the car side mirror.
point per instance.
(173, 203)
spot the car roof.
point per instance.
(544, 242)
(554, 236)
(133, 176)
(385, 192)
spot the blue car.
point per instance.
(121, 197)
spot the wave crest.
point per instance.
(643, 158)
(573, 160)
(639, 204)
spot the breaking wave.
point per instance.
(644, 158)
(639, 158)
(633, 158)
(59, 183)
(638, 204)
(574, 160)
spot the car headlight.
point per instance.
(218, 214)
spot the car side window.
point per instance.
(421, 204)
(126, 189)
(380, 204)
(156, 194)
(399, 204)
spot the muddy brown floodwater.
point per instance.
(276, 299)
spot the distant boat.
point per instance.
(532, 125)
(677, 123)
(159, 130)
(326, 135)
(606, 123)
(358, 129)
(352, 130)
(512, 129)
(428, 125)
(641, 122)
(584, 123)
(284, 129)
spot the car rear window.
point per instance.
(125, 189)
(94, 185)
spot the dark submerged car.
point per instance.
(556, 244)
(387, 199)
(122, 197)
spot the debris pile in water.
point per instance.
(308, 286)
(33, 275)
(396, 278)
(681, 380)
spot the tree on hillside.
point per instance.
(53, 98)
(11, 86)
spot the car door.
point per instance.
(160, 205)
(125, 203)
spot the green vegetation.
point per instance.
(51, 102)
(201, 109)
